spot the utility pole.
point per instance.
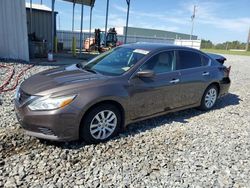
(248, 41)
(192, 19)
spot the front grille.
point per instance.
(46, 131)
(23, 96)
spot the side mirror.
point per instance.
(145, 74)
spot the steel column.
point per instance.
(126, 29)
(52, 25)
(90, 23)
(31, 28)
(81, 31)
(73, 17)
(73, 38)
(106, 23)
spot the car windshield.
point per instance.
(115, 61)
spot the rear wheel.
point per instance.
(100, 124)
(209, 98)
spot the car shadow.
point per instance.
(142, 126)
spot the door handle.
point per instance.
(174, 81)
(205, 74)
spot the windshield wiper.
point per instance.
(89, 69)
(79, 65)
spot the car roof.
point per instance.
(155, 46)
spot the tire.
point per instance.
(211, 91)
(95, 129)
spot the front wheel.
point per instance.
(209, 98)
(100, 124)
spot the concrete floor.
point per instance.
(62, 59)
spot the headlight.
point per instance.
(47, 103)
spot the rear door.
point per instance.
(195, 75)
(150, 96)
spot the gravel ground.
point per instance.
(184, 149)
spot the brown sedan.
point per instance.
(127, 84)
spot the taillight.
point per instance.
(228, 70)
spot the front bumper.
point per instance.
(57, 125)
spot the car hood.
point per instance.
(59, 79)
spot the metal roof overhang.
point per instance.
(83, 2)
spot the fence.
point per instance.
(189, 43)
(66, 38)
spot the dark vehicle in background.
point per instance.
(124, 85)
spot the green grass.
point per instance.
(226, 52)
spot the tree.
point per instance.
(206, 44)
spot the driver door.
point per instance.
(149, 96)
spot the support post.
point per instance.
(126, 29)
(81, 31)
(73, 38)
(31, 27)
(106, 23)
(52, 26)
(90, 24)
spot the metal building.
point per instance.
(39, 23)
(13, 30)
(134, 31)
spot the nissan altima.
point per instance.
(133, 82)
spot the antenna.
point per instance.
(192, 19)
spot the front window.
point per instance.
(116, 61)
(161, 63)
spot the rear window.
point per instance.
(188, 59)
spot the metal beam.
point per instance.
(81, 31)
(73, 38)
(126, 29)
(90, 23)
(84, 2)
(31, 28)
(106, 23)
(73, 18)
(52, 25)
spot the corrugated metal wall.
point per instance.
(41, 24)
(13, 30)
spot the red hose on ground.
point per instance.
(10, 75)
(9, 78)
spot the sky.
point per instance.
(216, 20)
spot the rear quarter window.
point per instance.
(188, 59)
(204, 60)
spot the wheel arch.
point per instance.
(216, 84)
(110, 102)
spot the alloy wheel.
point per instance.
(210, 97)
(103, 124)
